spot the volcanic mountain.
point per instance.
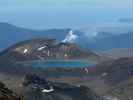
(46, 49)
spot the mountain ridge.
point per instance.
(11, 34)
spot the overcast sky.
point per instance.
(43, 14)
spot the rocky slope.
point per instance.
(118, 75)
(6, 94)
(122, 91)
(115, 69)
(33, 87)
(36, 88)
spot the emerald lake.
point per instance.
(58, 63)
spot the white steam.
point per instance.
(70, 38)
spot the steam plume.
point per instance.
(70, 38)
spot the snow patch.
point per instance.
(25, 51)
(110, 98)
(48, 53)
(65, 55)
(86, 70)
(41, 48)
(104, 74)
(48, 90)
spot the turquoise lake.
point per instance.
(60, 63)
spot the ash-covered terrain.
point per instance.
(106, 79)
(59, 85)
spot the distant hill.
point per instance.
(125, 20)
(104, 38)
(112, 41)
(119, 52)
(10, 34)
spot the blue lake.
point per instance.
(60, 63)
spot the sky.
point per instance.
(46, 14)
